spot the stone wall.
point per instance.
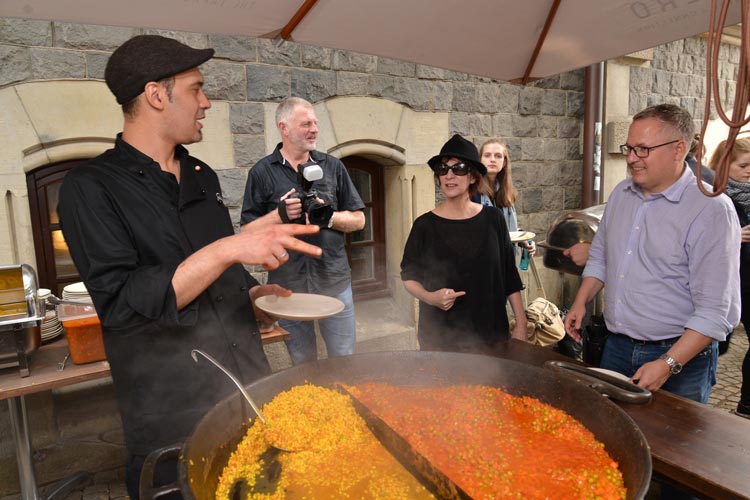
(541, 122)
(677, 75)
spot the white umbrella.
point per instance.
(494, 38)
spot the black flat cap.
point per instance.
(149, 58)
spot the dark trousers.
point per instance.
(744, 405)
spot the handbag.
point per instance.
(545, 326)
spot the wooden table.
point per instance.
(695, 447)
(44, 375)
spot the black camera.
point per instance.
(317, 213)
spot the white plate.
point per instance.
(611, 372)
(519, 236)
(300, 306)
(76, 288)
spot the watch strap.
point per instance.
(674, 366)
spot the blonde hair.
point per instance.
(740, 146)
(506, 193)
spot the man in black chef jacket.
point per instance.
(149, 233)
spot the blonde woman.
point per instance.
(499, 191)
(738, 189)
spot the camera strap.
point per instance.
(282, 212)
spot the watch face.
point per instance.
(674, 366)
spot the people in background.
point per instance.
(460, 263)
(272, 196)
(694, 155)
(499, 191)
(150, 236)
(578, 253)
(738, 189)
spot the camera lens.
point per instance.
(319, 213)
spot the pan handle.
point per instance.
(146, 487)
(603, 383)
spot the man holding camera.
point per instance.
(297, 184)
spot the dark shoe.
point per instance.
(741, 413)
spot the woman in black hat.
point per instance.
(459, 261)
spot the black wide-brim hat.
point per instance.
(463, 149)
(149, 58)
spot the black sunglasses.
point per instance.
(459, 169)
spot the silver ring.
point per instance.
(283, 256)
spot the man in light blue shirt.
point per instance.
(669, 257)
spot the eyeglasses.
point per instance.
(459, 169)
(642, 151)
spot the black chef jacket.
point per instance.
(128, 225)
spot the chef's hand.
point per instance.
(444, 298)
(530, 246)
(261, 290)
(573, 321)
(269, 245)
(746, 234)
(578, 253)
(651, 375)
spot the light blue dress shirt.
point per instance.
(669, 261)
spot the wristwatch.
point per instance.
(675, 366)
(330, 221)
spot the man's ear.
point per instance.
(155, 94)
(681, 149)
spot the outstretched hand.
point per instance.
(269, 245)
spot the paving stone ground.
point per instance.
(725, 394)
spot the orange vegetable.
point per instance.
(494, 445)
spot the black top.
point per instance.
(128, 225)
(472, 255)
(269, 180)
(744, 249)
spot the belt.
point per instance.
(662, 342)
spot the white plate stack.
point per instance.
(76, 292)
(51, 326)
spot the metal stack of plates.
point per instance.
(51, 326)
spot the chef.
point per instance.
(152, 240)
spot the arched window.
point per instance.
(55, 268)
